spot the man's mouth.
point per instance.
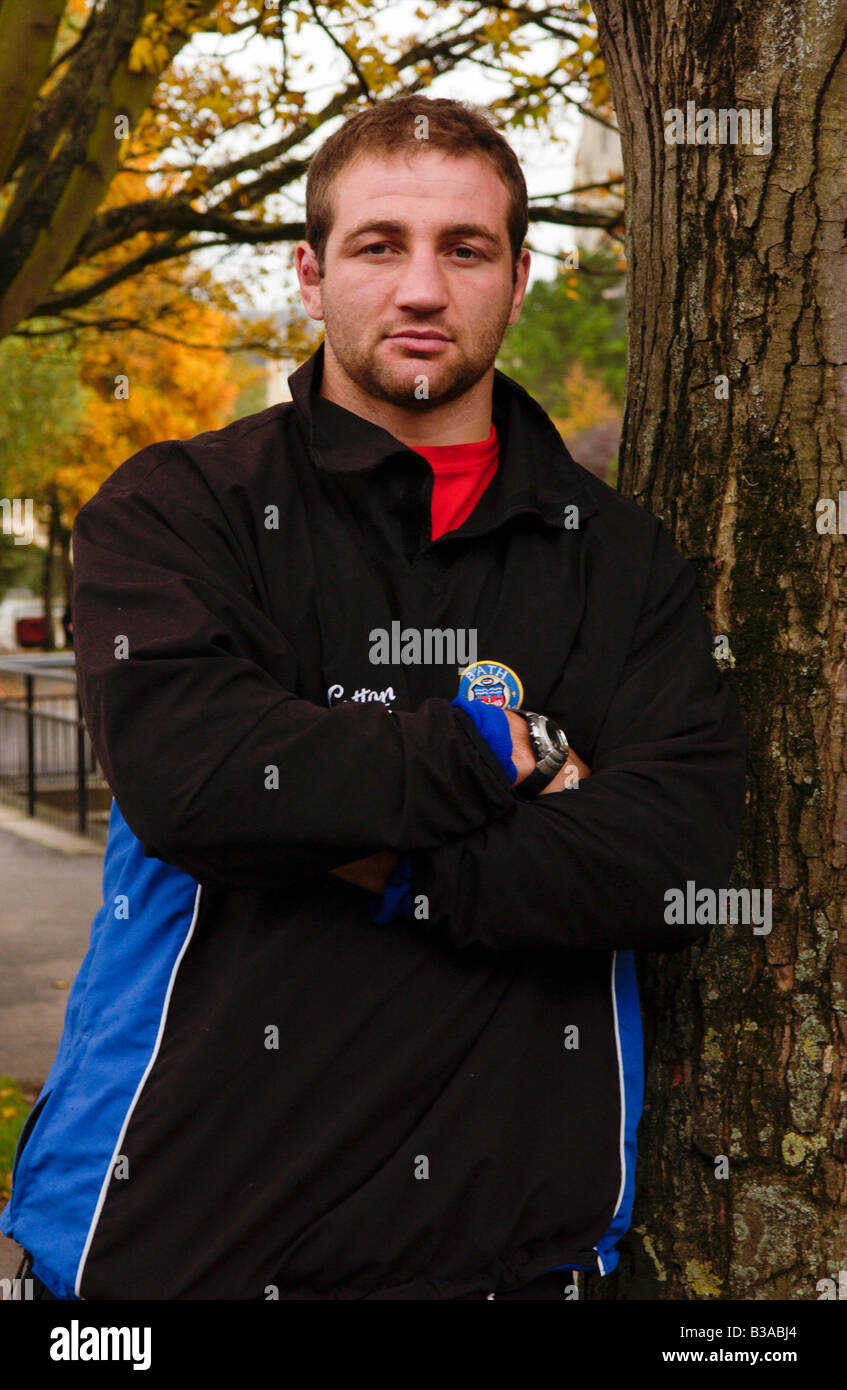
(420, 339)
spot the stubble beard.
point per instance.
(396, 383)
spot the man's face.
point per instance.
(418, 243)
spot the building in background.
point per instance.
(598, 159)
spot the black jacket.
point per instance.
(258, 1089)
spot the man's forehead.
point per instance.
(431, 176)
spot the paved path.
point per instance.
(49, 893)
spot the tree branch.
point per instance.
(582, 188)
(339, 45)
(577, 217)
(126, 324)
(116, 224)
(59, 227)
(28, 29)
(168, 250)
(37, 247)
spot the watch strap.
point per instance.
(533, 784)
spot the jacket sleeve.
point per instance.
(216, 764)
(588, 867)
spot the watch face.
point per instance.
(549, 741)
(556, 736)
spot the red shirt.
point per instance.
(462, 473)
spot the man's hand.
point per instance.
(371, 873)
(524, 758)
(566, 779)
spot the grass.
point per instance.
(15, 1105)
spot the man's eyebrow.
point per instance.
(391, 228)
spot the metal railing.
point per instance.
(48, 766)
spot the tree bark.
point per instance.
(738, 270)
(24, 29)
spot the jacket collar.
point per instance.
(535, 472)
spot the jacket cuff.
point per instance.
(492, 723)
(481, 744)
(396, 899)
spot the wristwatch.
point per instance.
(550, 747)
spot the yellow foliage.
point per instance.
(145, 389)
(590, 403)
(148, 54)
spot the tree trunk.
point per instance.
(738, 271)
(116, 76)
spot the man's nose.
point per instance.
(422, 283)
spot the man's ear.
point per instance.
(306, 266)
(521, 278)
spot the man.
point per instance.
(359, 1016)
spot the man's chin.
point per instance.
(420, 388)
(407, 400)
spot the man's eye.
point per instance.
(383, 245)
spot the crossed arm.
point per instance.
(220, 768)
(373, 872)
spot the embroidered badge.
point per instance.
(492, 683)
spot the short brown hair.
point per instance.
(454, 127)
